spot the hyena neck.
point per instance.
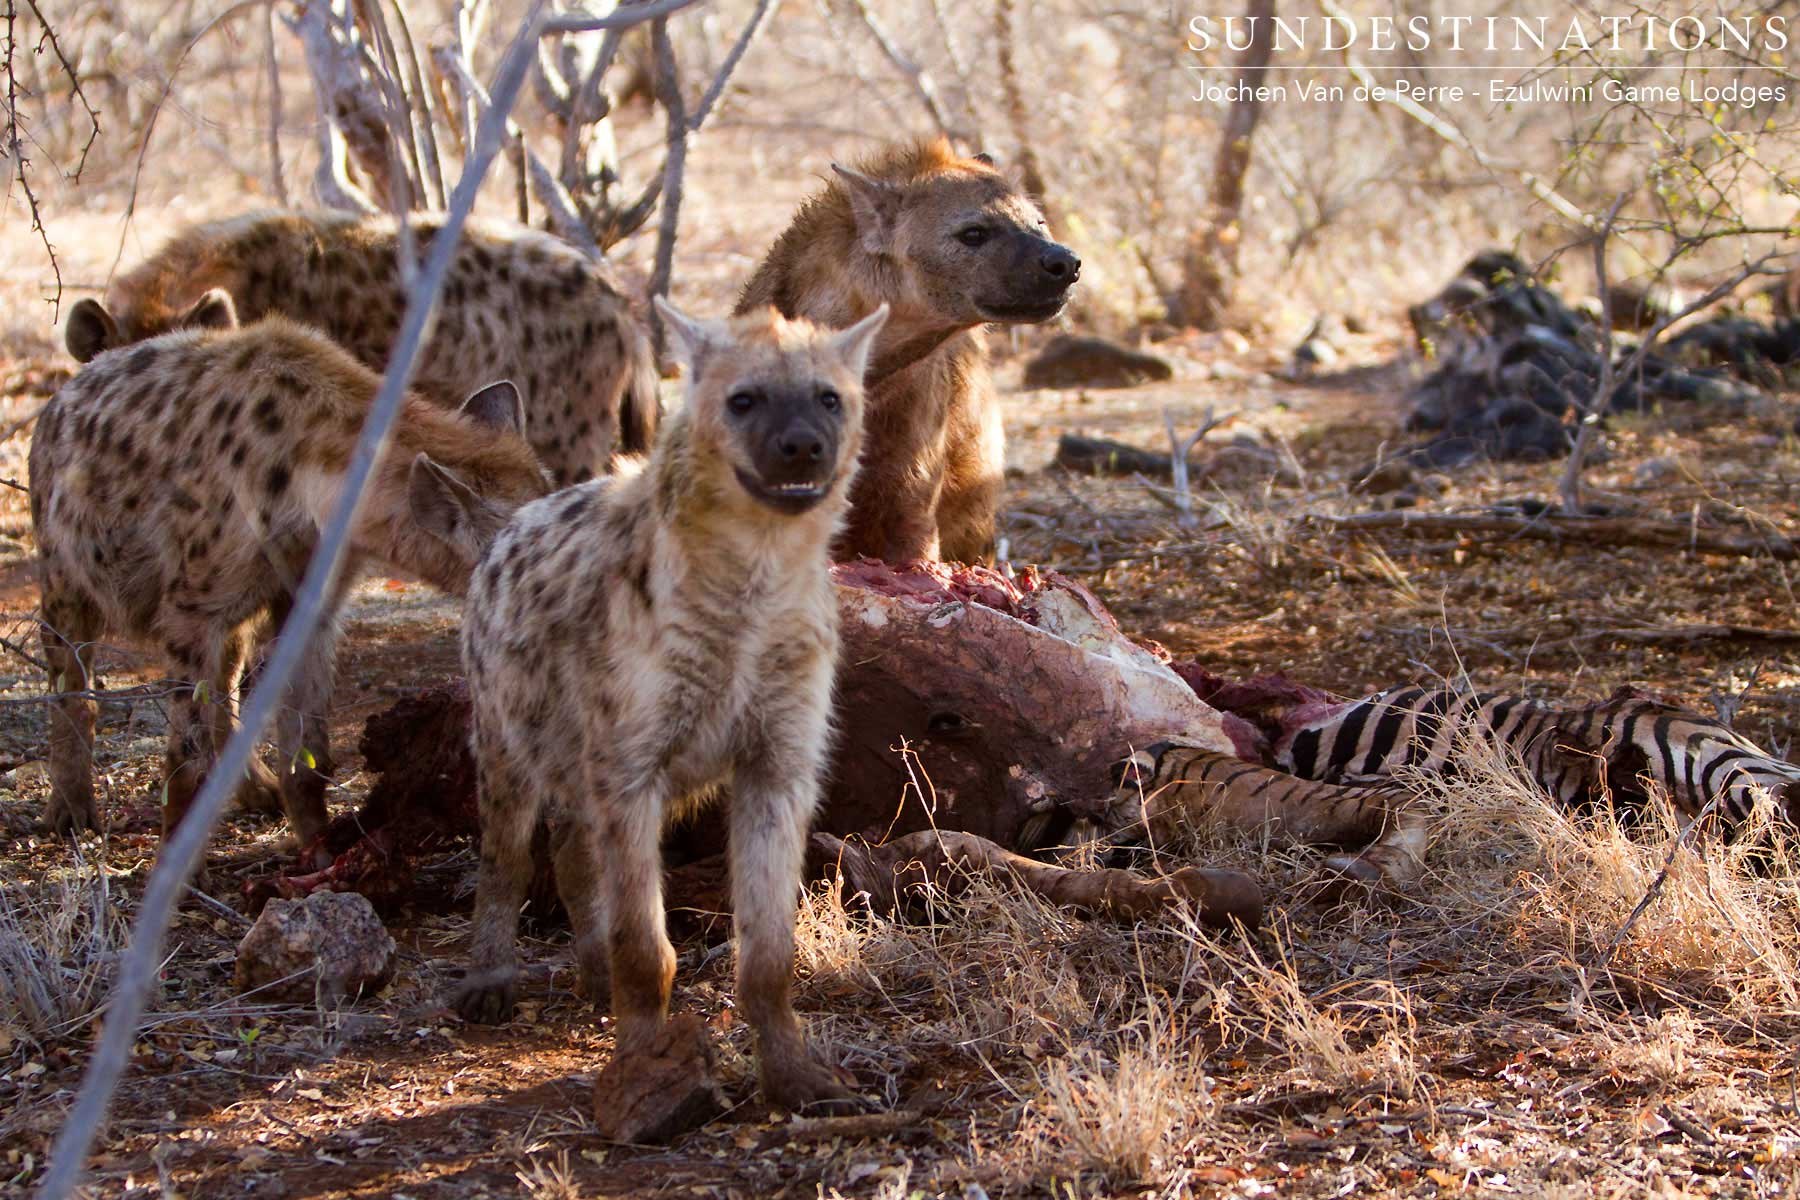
(155, 295)
(896, 354)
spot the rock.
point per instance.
(1068, 362)
(330, 945)
(661, 1093)
(1654, 471)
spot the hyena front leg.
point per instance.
(774, 792)
(303, 735)
(67, 631)
(578, 883)
(200, 655)
(628, 824)
(510, 801)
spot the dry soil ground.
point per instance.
(1501, 1032)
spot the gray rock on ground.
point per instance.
(330, 945)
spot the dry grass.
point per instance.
(59, 940)
(1126, 1114)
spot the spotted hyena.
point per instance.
(950, 244)
(634, 644)
(178, 487)
(518, 304)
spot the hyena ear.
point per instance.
(443, 505)
(694, 338)
(856, 343)
(875, 205)
(497, 406)
(89, 330)
(215, 310)
(983, 157)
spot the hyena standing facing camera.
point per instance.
(635, 644)
(178, 488)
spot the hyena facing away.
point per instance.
(950, 245)
(177, 490)
(518, 304)
(633, 644)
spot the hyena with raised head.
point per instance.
(178, 488)
(518, 304)
(949, 244)
(634, 644)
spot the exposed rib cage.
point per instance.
(1572, 753)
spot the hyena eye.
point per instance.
(974, 235)
(830, 400)
(741, 402)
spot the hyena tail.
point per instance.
(640, 407)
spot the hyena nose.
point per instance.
(1060, 264)
(802, 447)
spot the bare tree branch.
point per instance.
(277, 183)
(182, 853)
(137, 171)
(922, 84)
(682, 125)
(15, 141)
(564, 218)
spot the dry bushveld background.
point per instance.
(1567, 1005)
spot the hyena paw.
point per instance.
(487, 999)
(70, 818)
(801, 1083)
(594, 982)
(258, 795)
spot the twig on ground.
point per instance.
(863, 1125)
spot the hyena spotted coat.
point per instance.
(634, 644)
(177, 490)
(950, 245)
(518, 304)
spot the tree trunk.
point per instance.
(1209, 266)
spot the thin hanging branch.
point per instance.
(424, 110)
(182, 853)
(162, 98)
(922, 83)
(681, 127)
(1031, 171)
(15, 139)
(277, 179)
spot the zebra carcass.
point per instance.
(980, 719)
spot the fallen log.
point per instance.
(1690, 635)
(1555, 527)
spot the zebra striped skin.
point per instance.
(1167, 784)
(1573, 753)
